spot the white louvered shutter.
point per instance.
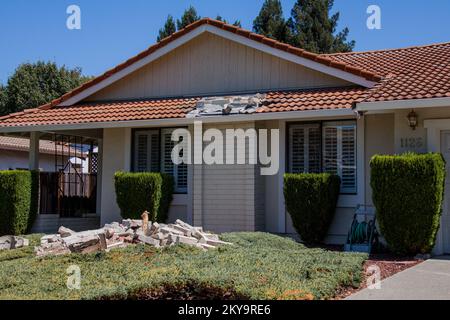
(330, 149)
(314, 153)
(339, 154)
(179, 172)
(297, 149)
(141, 156)
(304, 148)
(348, 172)
(146, 157)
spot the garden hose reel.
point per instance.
(363, 234)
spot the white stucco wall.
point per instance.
(19, 160)
(116, 156)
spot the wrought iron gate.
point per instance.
(68, 191)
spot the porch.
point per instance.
(69, 187)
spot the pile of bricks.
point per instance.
(118, 235)
(12, 242)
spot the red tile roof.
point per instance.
(410, 73)
(311, 99)
(104, 112)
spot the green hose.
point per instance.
(359, 232)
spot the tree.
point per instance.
(189, 16)
(236, 23)
(168, 29)
(3, 100)
(35, 84)
(270, 21)
(314, 30)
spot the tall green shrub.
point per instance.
(407, 193)
(311, 202)
(144, 191)
(18, 201)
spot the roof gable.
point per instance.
(313, 61)
(210, 65)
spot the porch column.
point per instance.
(99, 177)
(33, 154)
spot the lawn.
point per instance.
(257, 266)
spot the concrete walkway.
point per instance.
(429, 280)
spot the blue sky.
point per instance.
(114, 30)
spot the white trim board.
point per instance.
(227, 35)
(403, 104)
(310, 115)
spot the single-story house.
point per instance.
(333, 113)
(14, 154)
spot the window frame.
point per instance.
(159, 130)
(322, 124)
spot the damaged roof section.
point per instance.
(215, 106)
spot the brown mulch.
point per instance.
(388, 264)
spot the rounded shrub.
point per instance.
(407, 192)
(19, 194)
(144, 191)
(311, 202)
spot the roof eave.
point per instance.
(282, 115)
(402, 104)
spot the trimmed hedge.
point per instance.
(311, 202)
(407, 193)
(19, 194)
(144, 191)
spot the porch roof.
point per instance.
(170, 108)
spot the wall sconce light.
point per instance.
(412, 120)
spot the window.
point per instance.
(327, 147)
(305, 148)
(179, 172)
(152, 153)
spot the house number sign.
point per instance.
(411, 143)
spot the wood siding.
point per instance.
(210, 64)
(229, 197)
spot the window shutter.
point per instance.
(167, 144)
(304, 148)
(155, 152)
(339, 154)
(146, 151)
(297, 149)
(141, 152)
(348, 175)
(330, 152)
(314, 137)
(179, 172)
